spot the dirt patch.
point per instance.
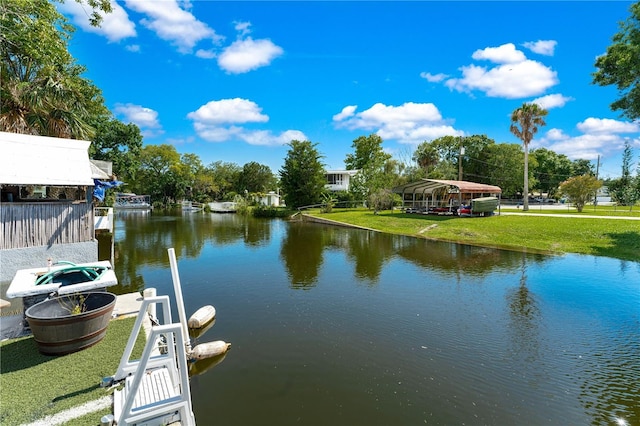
(428, 228)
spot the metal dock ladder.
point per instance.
(156, 387)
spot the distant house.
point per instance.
(603, 197)
(46, 210)
(339, 180)
(270, 199)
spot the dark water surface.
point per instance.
(335, 326)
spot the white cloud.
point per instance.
(505, 54)
(552, 101)
(229, 111)
(542, 47)
(607, 125)
(172, 23)
(217, 121)
(115, 26)
(434, 78)
(512, 76)
(408, 123)
(267, 138)
(133, 47)
(345, 113)
(243, 28)
(511, 81)
(205, 54)
(600, 137)
(247, 55)
(145, 118)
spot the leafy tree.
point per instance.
(367, 151)
(302, 175)
(524, 125)
(426, 155)
(620, 66)
(41, 86)
(625, 189)
(255, 178)
(552, 169)
(581, 167)
(371, 162)
(119, 143)
(225, 177)
(580, 189)
(159, 174)
(475, 158)
(448, 148)
(505, 168)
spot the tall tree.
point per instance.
(158, 175)
(42, 91)
(524, 125)
(620, 65)
(256, 177)
(119, 143)
(370, 160)
(505, 168)
(624, 189)
(426, 156)
(302, 175)
(367, 151)
(552, 169)
(225, 177)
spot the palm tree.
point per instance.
(528, 117)
(426, 155)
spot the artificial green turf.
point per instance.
(33, 385)
(617, 238)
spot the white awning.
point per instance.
(42, 160)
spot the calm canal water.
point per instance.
(335, 326)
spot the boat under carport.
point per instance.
(442, 196)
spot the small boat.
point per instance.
(223, 207)
(71, 273)
(191, 206)
(484, 206)
(132, 201)
(36, 284)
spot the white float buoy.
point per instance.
(202, 317)
(209, 349)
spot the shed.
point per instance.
(45, 202)
(438, 193)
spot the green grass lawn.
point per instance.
(33, 385)
(587, 211)
(600, 237)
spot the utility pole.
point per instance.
(595, 196)
(460, 162)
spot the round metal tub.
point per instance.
(58, 331)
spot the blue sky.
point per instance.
(236, 81)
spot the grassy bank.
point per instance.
(600, 237)
(34, 385)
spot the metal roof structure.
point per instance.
(43, 160)
(428, 186)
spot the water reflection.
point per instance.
(393, 330)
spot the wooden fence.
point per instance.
(44, 224)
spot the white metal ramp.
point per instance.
(156, 387)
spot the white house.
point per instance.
(270, 199)
(339, 180)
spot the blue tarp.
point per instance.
(100, 187)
